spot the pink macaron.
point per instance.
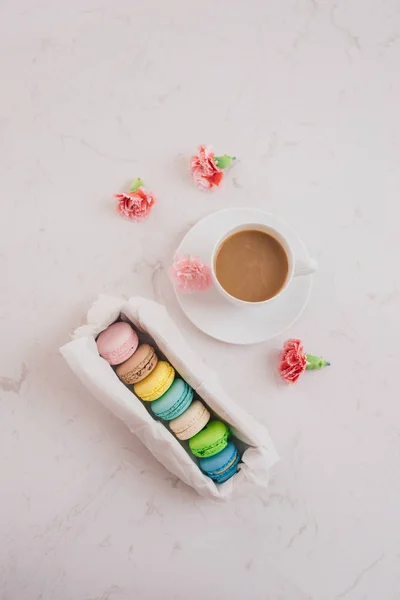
(117, 343)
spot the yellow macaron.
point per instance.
(156, 384)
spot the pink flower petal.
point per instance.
(205, 173)
(293, 360)
(190, 275)
(135, 206)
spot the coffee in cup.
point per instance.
(251, 265)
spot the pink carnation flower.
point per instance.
(293, 361)
(205, 172)
(135, 206)
(190, 275)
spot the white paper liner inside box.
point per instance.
(98, 376)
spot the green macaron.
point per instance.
(210, 440)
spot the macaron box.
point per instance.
(135, 361)
(170, 397)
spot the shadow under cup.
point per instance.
(252, 264)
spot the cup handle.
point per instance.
(305, 267)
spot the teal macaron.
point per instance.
(174, 402)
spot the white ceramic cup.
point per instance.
(296, 267)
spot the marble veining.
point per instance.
(95, 93)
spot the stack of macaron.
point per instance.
(172, 399)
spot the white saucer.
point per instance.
(213, 314)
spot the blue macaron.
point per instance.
(223, 465)
(174, 402)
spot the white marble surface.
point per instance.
(97, 92)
